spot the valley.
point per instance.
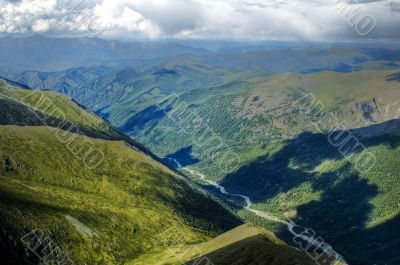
(104, 209)
(242, 151)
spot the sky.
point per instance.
(306, 20)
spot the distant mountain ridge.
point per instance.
(39, 53)
(42, 53)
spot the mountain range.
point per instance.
(50, 195)
(279, 138)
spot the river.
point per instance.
(312, 240)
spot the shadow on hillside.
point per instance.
(341, 214)
(267, 176)
(143, 121)
(14, 113)
(340, 218)
(183, 156)
(12, 251)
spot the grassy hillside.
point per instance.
(27, 107)
(243, 245)
(112, 214)
(128, 202)
(287, 166)
(130, 209)
(48, 108)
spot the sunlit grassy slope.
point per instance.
(113, 214)
(129, 210)
(244, 245)
(129, 201)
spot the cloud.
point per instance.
(241, 19)
(19, 16)
(395, 6)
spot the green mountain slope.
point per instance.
(128, 209)
(244, 245)
(113, 213)
(287, 166)
(245, 110)
(128, 201)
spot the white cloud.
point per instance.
(41, 25)
(255, 19)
